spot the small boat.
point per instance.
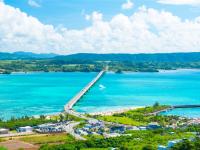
(101, 86)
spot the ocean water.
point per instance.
(186, 112)
(38, 93)
(115, 91)
(47, 93)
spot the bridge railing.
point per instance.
(78, 96)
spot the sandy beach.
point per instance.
(117, 111)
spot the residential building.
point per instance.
(4, 131)
(25, 129)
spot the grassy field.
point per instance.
(50, 138)
(95, 149)
(122, 120)
(140, 117)
(2, 148)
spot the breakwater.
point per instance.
(186, 106)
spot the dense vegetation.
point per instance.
(141, 116)
(165, 57)
(188, 145)
(162, 57)
(8, 66)
(14, 123)
(26, 62)
(137, 140)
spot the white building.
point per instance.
(4, 131)
(25, 129)
(169, 145)
(161, 147)
(132, 128)
(111, 135)
(142, 128)
(172, 143)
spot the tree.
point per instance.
(61, 117)
(148, 147)
(184, 145)
(156, 104)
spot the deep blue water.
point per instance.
(46, 93)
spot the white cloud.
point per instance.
(18, 31)
(87, 17)
(146, 31)
(95, 16)
(180, 2)
(127, 5)
(33, 3)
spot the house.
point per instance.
(161, 147)
(4, 131)
(51, 128)
(142, 128)
(153, 125)
(81, 132)
(88, 126)
(118, 129)
(111, 135)
(169, 145)
(93, 121)
(25, 129)
(132, 128)
(172, 143)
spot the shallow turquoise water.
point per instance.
(46, 93)
(142, 89)
(186, 112)
(38, 93)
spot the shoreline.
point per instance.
(103, 113)
(159, 71)
(117, 111)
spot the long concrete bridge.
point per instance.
(78, 96)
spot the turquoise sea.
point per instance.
(46, 93)
(186, 112)
(143, 89)
(38, 93)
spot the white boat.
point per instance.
(101, 86)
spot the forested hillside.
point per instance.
(165, 57)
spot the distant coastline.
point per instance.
(159, 71)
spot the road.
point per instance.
(78, 96)
(16, 134)
(70, 129)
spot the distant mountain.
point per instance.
(85, 57)
(24, 55)
(160, 57)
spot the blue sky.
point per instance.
(70, 13)
(100, 26)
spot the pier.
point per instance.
(77, 97)
(186, 106)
